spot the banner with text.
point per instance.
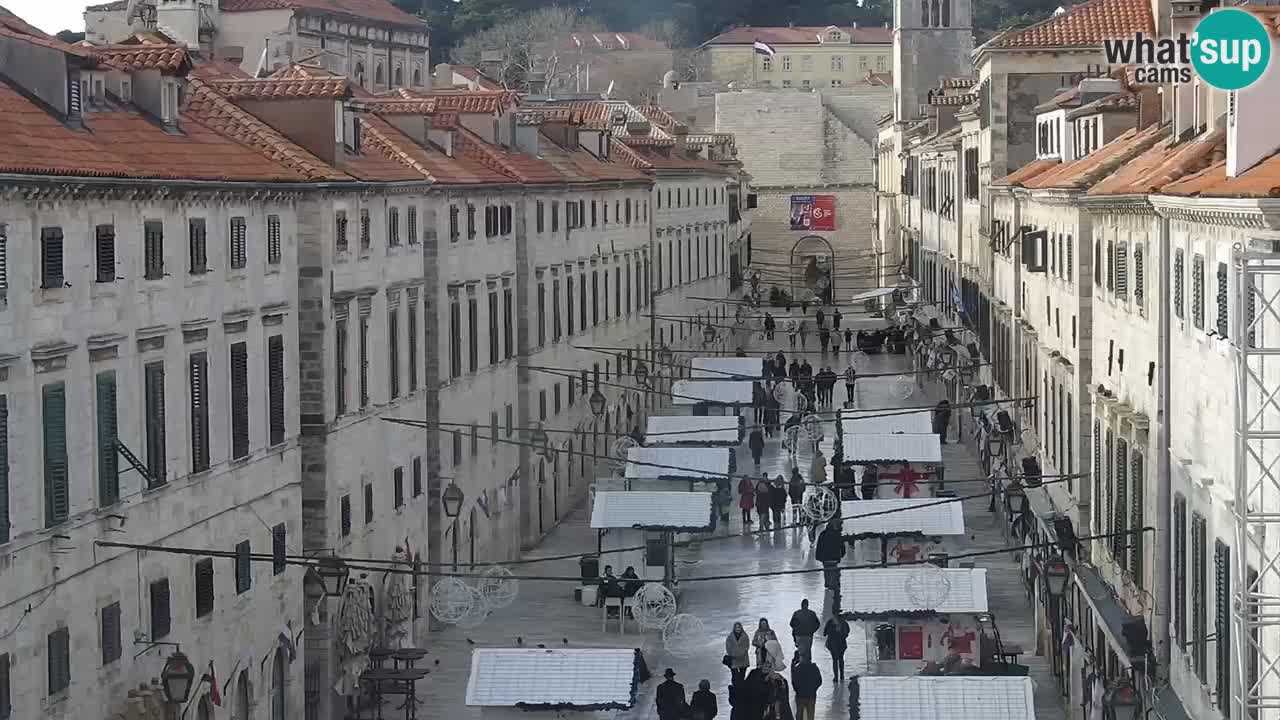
(813, 212)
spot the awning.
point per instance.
(721, 392)
(674, 511)
(724, 430)
(680, 462)
(926, 516)
(887, 697)
(554, 679)
(1108, 610)
(726, 368)
(876, 422)
(873, 293)
(868, 448)
(903, 591)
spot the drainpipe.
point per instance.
(527, 535)
(1164, 500)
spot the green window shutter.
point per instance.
(153, 391)
(4, 478)
(275, 388)
(244, 567)
(110, 621)
(59, 656)
(56, 503)
(198, 377)
(108, 458)
(161, 616)
(1222, 623)
(204, 587)
(239, 400)
(279, 563)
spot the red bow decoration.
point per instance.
(908, 480)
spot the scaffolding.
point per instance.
(1255, 627)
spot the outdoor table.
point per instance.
(378, 656)
(408, 656)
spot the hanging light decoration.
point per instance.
(664, 355)
(708, 334)
(452, 499)
(642, 374)
(597, 401)
(176, 678)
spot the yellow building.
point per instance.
(818, 57)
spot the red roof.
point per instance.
(612, 41)
(1083, 25)
(269, 88)
(217, 70)
(473, 74)
(133, 58)
(1026, 172)
(1165, 163)
(1084, 172)
(747, 35)
(373, 10)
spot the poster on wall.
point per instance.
(813, 212)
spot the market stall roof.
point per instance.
(904, 591)
(879, 447)
(920, 697)
(861, 652)
(874, 293)
(693, 430)
(723, 392)
(877, 422)
(554, 679)
(726, 368)
(901, 516)
(677, 462)
(676, 511)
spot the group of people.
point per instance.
(769, 498)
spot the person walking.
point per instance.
(804, 623)
(830, 551)
(818, 469)
(804, 333)
(762, 501)
(792, 447)
(793, 329)
(942, 419)
(793, 371)
(778, 501)
(824, 339)
(757, 400)
(848, 339)
(746, 499)
(750, 696)
(703, 705)
(756, 443)
(761, 637)
(837, 633)
(806, 678)
(670, 701)
(779, 695)
(737, 652)
(850, 382)
(769, 326)
(796, 490)
(772, 408)
(836, 317)
(820, 317)
(804, 307)
(870, 482)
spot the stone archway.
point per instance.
(807, 261)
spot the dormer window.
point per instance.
(170, 101)
(126, 90)
(834, 36)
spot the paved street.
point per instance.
(545, 611)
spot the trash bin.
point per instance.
(590, 566)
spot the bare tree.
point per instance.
(525, 51)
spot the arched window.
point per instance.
(278, 704)
(379, 74)
(359, 73)
(417, 77)
(946, 13)
(935, 13)
(243, 697)
(924, 13)
(398, 76)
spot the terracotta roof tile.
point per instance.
(958, 82)
(109, 7)
(628, 154)
(798, 35)
(420, 162)
(301, 71)
(952, 99)
(1068, 98)
(659, 117)
(611, 41)
(392, 106)
(133, 58)
(374, 10)
(273, 88)
(1086, 171)
(461, 101)
(1123, 101)
(1165, 163)
(1086, 24)
(217, 70)
(1260, 181)
(1026, 172)
(473, 74)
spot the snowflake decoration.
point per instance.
(451, 600)
(498, 587)
(683, 634)
(928, 586)
(812, 425)
(655, 606)
(903, 388)
(820, 504)
(791, 438)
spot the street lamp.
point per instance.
(1056, 575)
(597, 402)
(541, 442)
(332, 574)
(176, 678)
(642, 374)
(452, 498)
(708, 335)
(1122, 699)
(664, 355)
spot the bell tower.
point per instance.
(932, 39)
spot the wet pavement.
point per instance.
(546, 613)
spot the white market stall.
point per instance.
(900, 529)
(726, 368)
(707, 397)
(877, 449)
(649, 519)
(942, 698)
(694, 430)
(886, 422)
(508, 682)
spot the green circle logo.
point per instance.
(1230, 49)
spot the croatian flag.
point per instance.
(763, 48)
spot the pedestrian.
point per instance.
(806, 678)
(850, 381)
(746, 498)
(793, 329)
(757, 401)
(780, 361)
(779, 696)
(796, 490)
(769, 325)
(804, 306)
(772, 409)
(774, 660)
(792, 446)
(942, 419)
(818, 469)
(830, 551)
(870, 482)
(737, 652)
(824, 339)
(804, 623)
(836, 317)
(762, 501)
(703, 706)
(739, 352)
(762, 635)
(778, 501)
(820, 317)
(848, 339)
(756, 443)
(671, 703)
(804, 333)
(837, 633)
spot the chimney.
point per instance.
(441, 135)
(1150, 106)
(444, 77)
(527, 133)
(641, 129)
(680, 133)
(1094, 88)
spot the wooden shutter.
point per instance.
(1120, 518)
(275, 388)
(236, 246)
(153, 249)
(1137, 518)
(1139, 273)
(198, 246)
(345, 513)
(110, 625)
(397, 486)
(1222, 623)
(393, 352)
(59, 656)
(1177, 283)
(204, 587)
(108, 457)
(1122, 270)
(161, 615)
(340, 365)
(153, 388)
(51, 274)
(340, 230)
(239, 400)
(413, 224)
(55, 453)
(1221, 319)
(413, 343)
(6, 692)
(1200, 586)
(198, 377)
(1180, 569)
(417, 476)
(1197, 291)
(4, 474)
(279, 549)
(4, 261)
(244, 567)
(368, 502)
(104, 242)
(273, 239)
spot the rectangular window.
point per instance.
(340, 231)
(1178, 260)
(555, 311)
(397, 487)
(108, 460)
(556, 398)
(6, 693)
(455, 336)
(1180, 568)
(236, 243)
(542, 313)
(582, 302)
(393, 226)
(197, 246)
(273, 239)
(59, 657)
(594, 217)
(5, 521)
(412, 219)
(1222, 624)
(393, 352)
(275, 389)
(495, 350)
(368, 503)
(153, 390)
(540, 215)
(239, 400)
(366, 233)
(1199, 592)
(161, 615)
(413, 343)
(340, 365)
(595, 297)
(555, 215)
(473, 328)
(542, 405)
(204, 587)
(364, 358)
(475, 439)
(51, 273)
(471, 222)
(105, 253)
(198, 383)
(344, 506)
(55, 453)
(568, 304)
(244, 567)
(417, 476)
(1197, 291)
(109, 637)
(1220, 319)
(505, 223)
(510, 419)
(455, 438)
(455, 232)
(493, 429)
(508, 330)
(279, 549)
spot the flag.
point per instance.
(762, 48)
(285, 639)
(215, 692)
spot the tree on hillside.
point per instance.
(524, 51)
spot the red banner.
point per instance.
(813, 212)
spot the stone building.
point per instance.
(805, 57)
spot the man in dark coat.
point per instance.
(805, 681)
(703, 706)
(942, 419)
(804, 623)
(756, 443)
(777, 500)
(671, 702)
(870, 482)
(830, 551)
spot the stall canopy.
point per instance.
(585, 679)
(887, 592)
(873, 294)
(873, 422)
(717, 392)
(880, 448)
(887, 697)
(901, 516)
(721, 430)
(685, 463)
(726, 368)
(672, 511)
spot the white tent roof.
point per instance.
(890, 590)
(724, 368)
(927, 516)
(692, 429)
(867, 447)
(872, 293)
(861, 652)
(888, 697)
(640, 509)
(876, 422)
(725, 392)
(691, 462)
(507, 677)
